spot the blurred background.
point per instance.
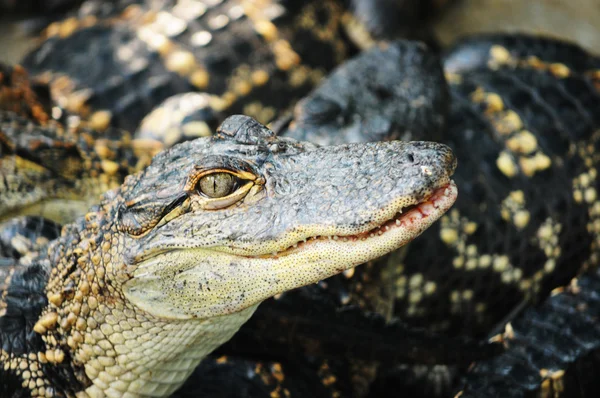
(575, 20)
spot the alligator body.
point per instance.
(250, 57)
(253, 58)
(263, 338)
(552, 350)
(523, 121)
(53, 168)
(22, 235)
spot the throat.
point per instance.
(162, 355)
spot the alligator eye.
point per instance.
(217, 188)
(217, 185)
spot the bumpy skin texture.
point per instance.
(52, 168)
(510, 239)
(552, 350)
(256, 58)
(522, 127)
(264, 336)
(45, 166)
(499, 65)
(395, 92)
(22, 235)
(135, 293)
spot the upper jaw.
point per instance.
(393, 216)
(413, 219)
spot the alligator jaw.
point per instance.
(193, 283)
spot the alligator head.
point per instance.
(221, 224)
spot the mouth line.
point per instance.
(406, 216)
(410, 218)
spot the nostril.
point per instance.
(382, 93)
(410, 157)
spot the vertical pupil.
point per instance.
(216, 185)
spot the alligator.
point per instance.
(551, 350)
(248, 57)
(501, 246)
(25, 234)
(542, 72)
(523, 121)
(165, 269)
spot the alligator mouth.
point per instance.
(178, 288)
(409, 221)
(405, 225)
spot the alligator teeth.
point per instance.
(427, 208)
(345, 239)
(372, 235)
(398, 222)
(295, 245)
(335, 238)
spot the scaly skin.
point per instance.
(51, 168)
(132, 296)
(251, 57)
(22, 235)
(248, 56)
(552, 350)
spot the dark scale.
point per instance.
(243, 53)
(553, 349)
